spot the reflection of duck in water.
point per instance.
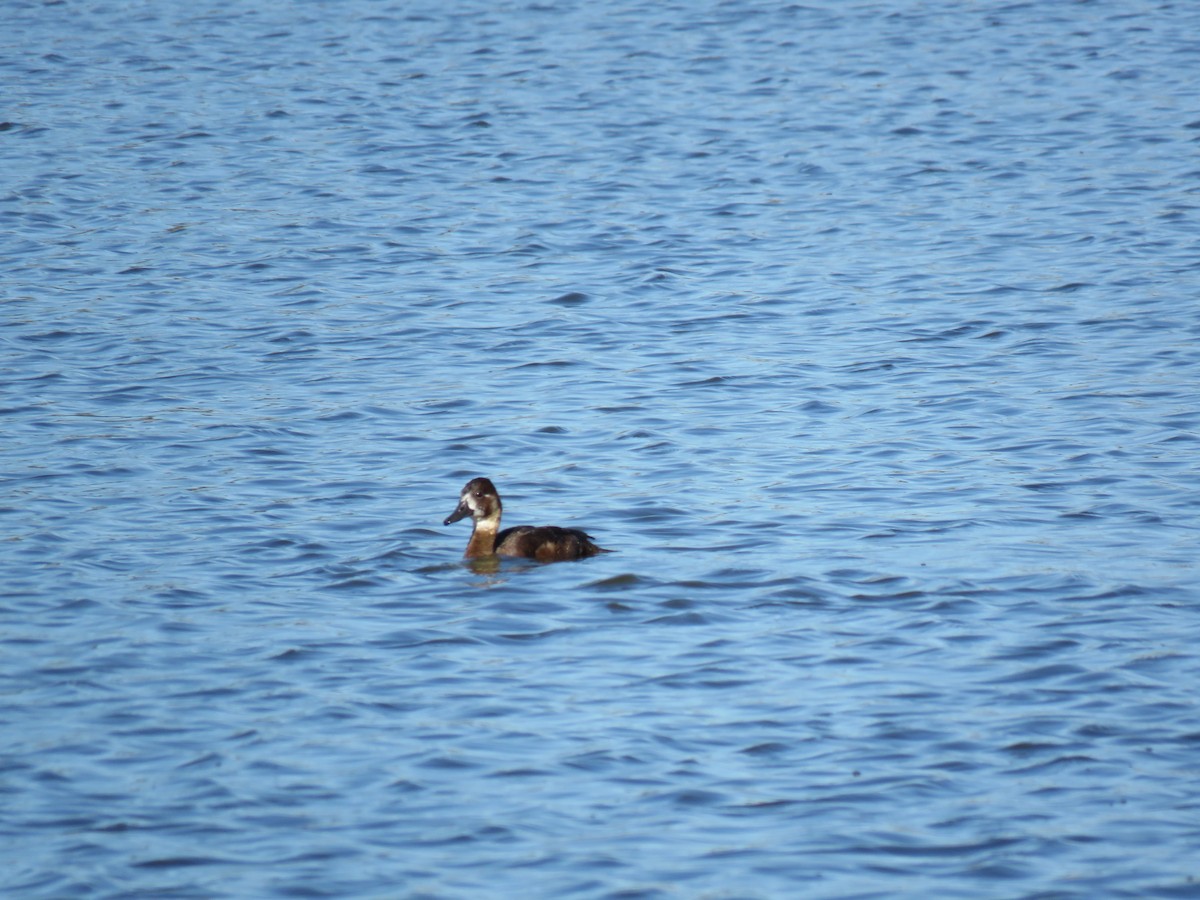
(545, 543)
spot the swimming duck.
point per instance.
(545, 543)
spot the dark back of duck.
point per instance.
(546, 543)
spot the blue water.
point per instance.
(866, 333)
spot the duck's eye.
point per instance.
(478, 495)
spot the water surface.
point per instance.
(866, 333)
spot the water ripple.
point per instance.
(869, 362)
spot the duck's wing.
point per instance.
(547, 543)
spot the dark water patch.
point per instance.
(175, 862)
(573, 298)
(904, 850)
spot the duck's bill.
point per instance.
(462, 512)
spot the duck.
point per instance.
(545, 543)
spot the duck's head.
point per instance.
(478, 500)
